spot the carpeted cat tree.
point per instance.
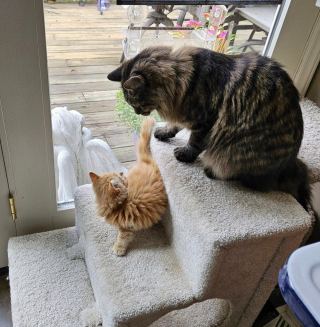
(212, 262)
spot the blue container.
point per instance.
(299, 281)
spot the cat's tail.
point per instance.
(296, 181)
(144, 141)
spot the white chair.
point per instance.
(260, 16)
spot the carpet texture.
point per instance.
(210, 313)
(51, 288)
(220, 240)
(136, 289)
(310, 148)
(226, 236)
(47, 288)
(216, 255)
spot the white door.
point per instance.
(25, 121)
(8, 227)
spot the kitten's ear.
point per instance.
(133, 82)
(94, 177)
(116, 75)
(115, 185)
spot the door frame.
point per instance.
(25, 118)
(31, 168)
(8, 226)
(301, 59)
(309, 61)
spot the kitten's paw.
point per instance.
(184, 154)
(119, 250)
(162, 134)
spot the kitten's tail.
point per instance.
(296, 182)
(144, 141)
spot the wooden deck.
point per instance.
(83, 47)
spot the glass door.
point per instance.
(93, 129)
(83, 46)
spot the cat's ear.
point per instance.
(94, 177)
(116, 75)
(115, 185)
(133, 82)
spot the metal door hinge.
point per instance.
(12, 207)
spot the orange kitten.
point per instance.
(135, 201)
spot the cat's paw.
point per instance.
(119, 250)
(162, 134)
(184, 154)
(209, 173)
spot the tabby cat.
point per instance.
(242, 110)
(135, 201)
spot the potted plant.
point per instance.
(129, 118)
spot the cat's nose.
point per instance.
(137, 110)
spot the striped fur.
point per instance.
(242, 110)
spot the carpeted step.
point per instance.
(221, 240)
(210, 313)
(47, 288)
(310, 148)
(230, 240)
(136, 289)
(50, 287)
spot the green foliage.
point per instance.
(233, 51)
(128, 117)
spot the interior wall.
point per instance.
(313, 92)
